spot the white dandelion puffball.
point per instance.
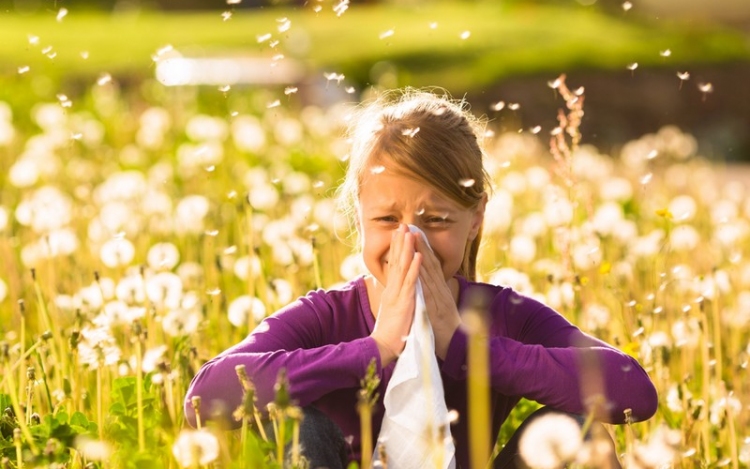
(248, 134)
(190, 212)
(684, 238)
(243, 307)
(550, 441)
(246, 266)
(683, 208)
(522, 249)
(616, 189)
(181, 322)
(163, 256)
(3, 219)
(202, 128)
(93, 450)
(558, 211)
(195, 448)
(164, 289)
(117, 252)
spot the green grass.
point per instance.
(504, 41)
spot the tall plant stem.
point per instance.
(18, 410)
(99, 403)
(139, 393)
(478, 383)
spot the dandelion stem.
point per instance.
(30, 374)
(19, 451)
(366, 400)
(18, 362)
(99, 399)
(295, 438)
(139, 393)
(706, 359)
(243, 441)
(57, 347)
(478, 382)
(20, 414)
(196, 403)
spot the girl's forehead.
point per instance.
(386, 189)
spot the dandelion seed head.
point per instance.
(386, 34)
(550, 441)
(181, 322)
(33, 40)
(377, 169)
(104, 79)
(341, 7)
(62, 13)
(317, 8)
(84, 54)
(23, 69)
(195, 448)
(410, 132)
(632, 66)
(659, 451)
(498, 106)
(536, 129)
(245, 307)
(683, 75)
(93, 450)
(626, 6)
(706, 87)
(163, 256)
(333, 76)
(466, 182)
(234, 2)
(290, 90)
(514, 106)
(522, 248)
(284, 24)
(117, 252)
(665, 53)
(587, 255)
(226, 15)
(683, 207)
(554, 84)
(164, 290)
(465, 35)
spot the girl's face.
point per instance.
(388, 198)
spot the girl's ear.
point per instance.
(478, 217)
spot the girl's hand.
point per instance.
(397, 300)
(441, 305)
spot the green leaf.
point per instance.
(80, 420)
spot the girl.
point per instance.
(417, 160)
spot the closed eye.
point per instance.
(386, 219)
(437, 221)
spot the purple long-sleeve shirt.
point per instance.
(323, 341)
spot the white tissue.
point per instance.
(415, 429)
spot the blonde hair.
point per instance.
(430, 137)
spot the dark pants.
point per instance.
(323, 443)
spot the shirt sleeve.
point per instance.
(297, 339)
(537, 354)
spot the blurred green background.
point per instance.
(629, 56)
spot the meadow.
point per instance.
(141, 233)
